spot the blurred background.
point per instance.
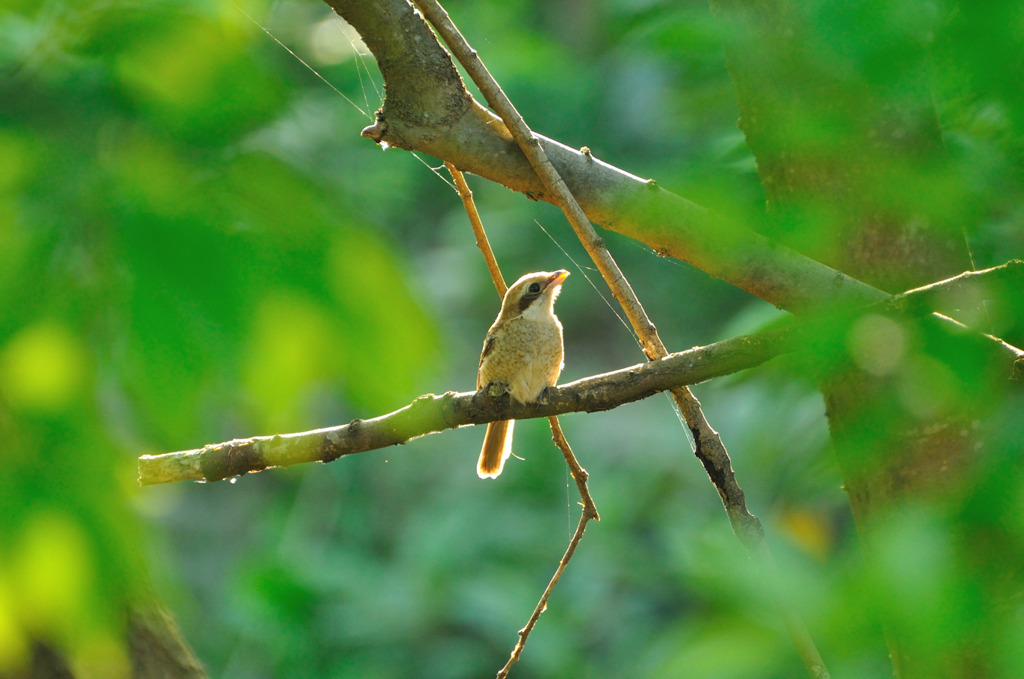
(197, 245)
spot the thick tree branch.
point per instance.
(883, 142)
(428, 109)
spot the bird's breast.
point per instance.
(527, 356)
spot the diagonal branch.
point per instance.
(478, 228)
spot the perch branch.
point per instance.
(429, 414)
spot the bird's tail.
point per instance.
(497, 448)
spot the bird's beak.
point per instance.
(557, 277)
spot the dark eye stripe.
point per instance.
(527, 299)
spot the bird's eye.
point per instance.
(535, 287)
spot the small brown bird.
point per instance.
(522, 350)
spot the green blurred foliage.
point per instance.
(197, 245)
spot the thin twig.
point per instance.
(708, 444)
(579, 474)
(543, 603)
(478, 228)
(802, 641)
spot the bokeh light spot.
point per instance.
(43, 367)
(877, 344)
